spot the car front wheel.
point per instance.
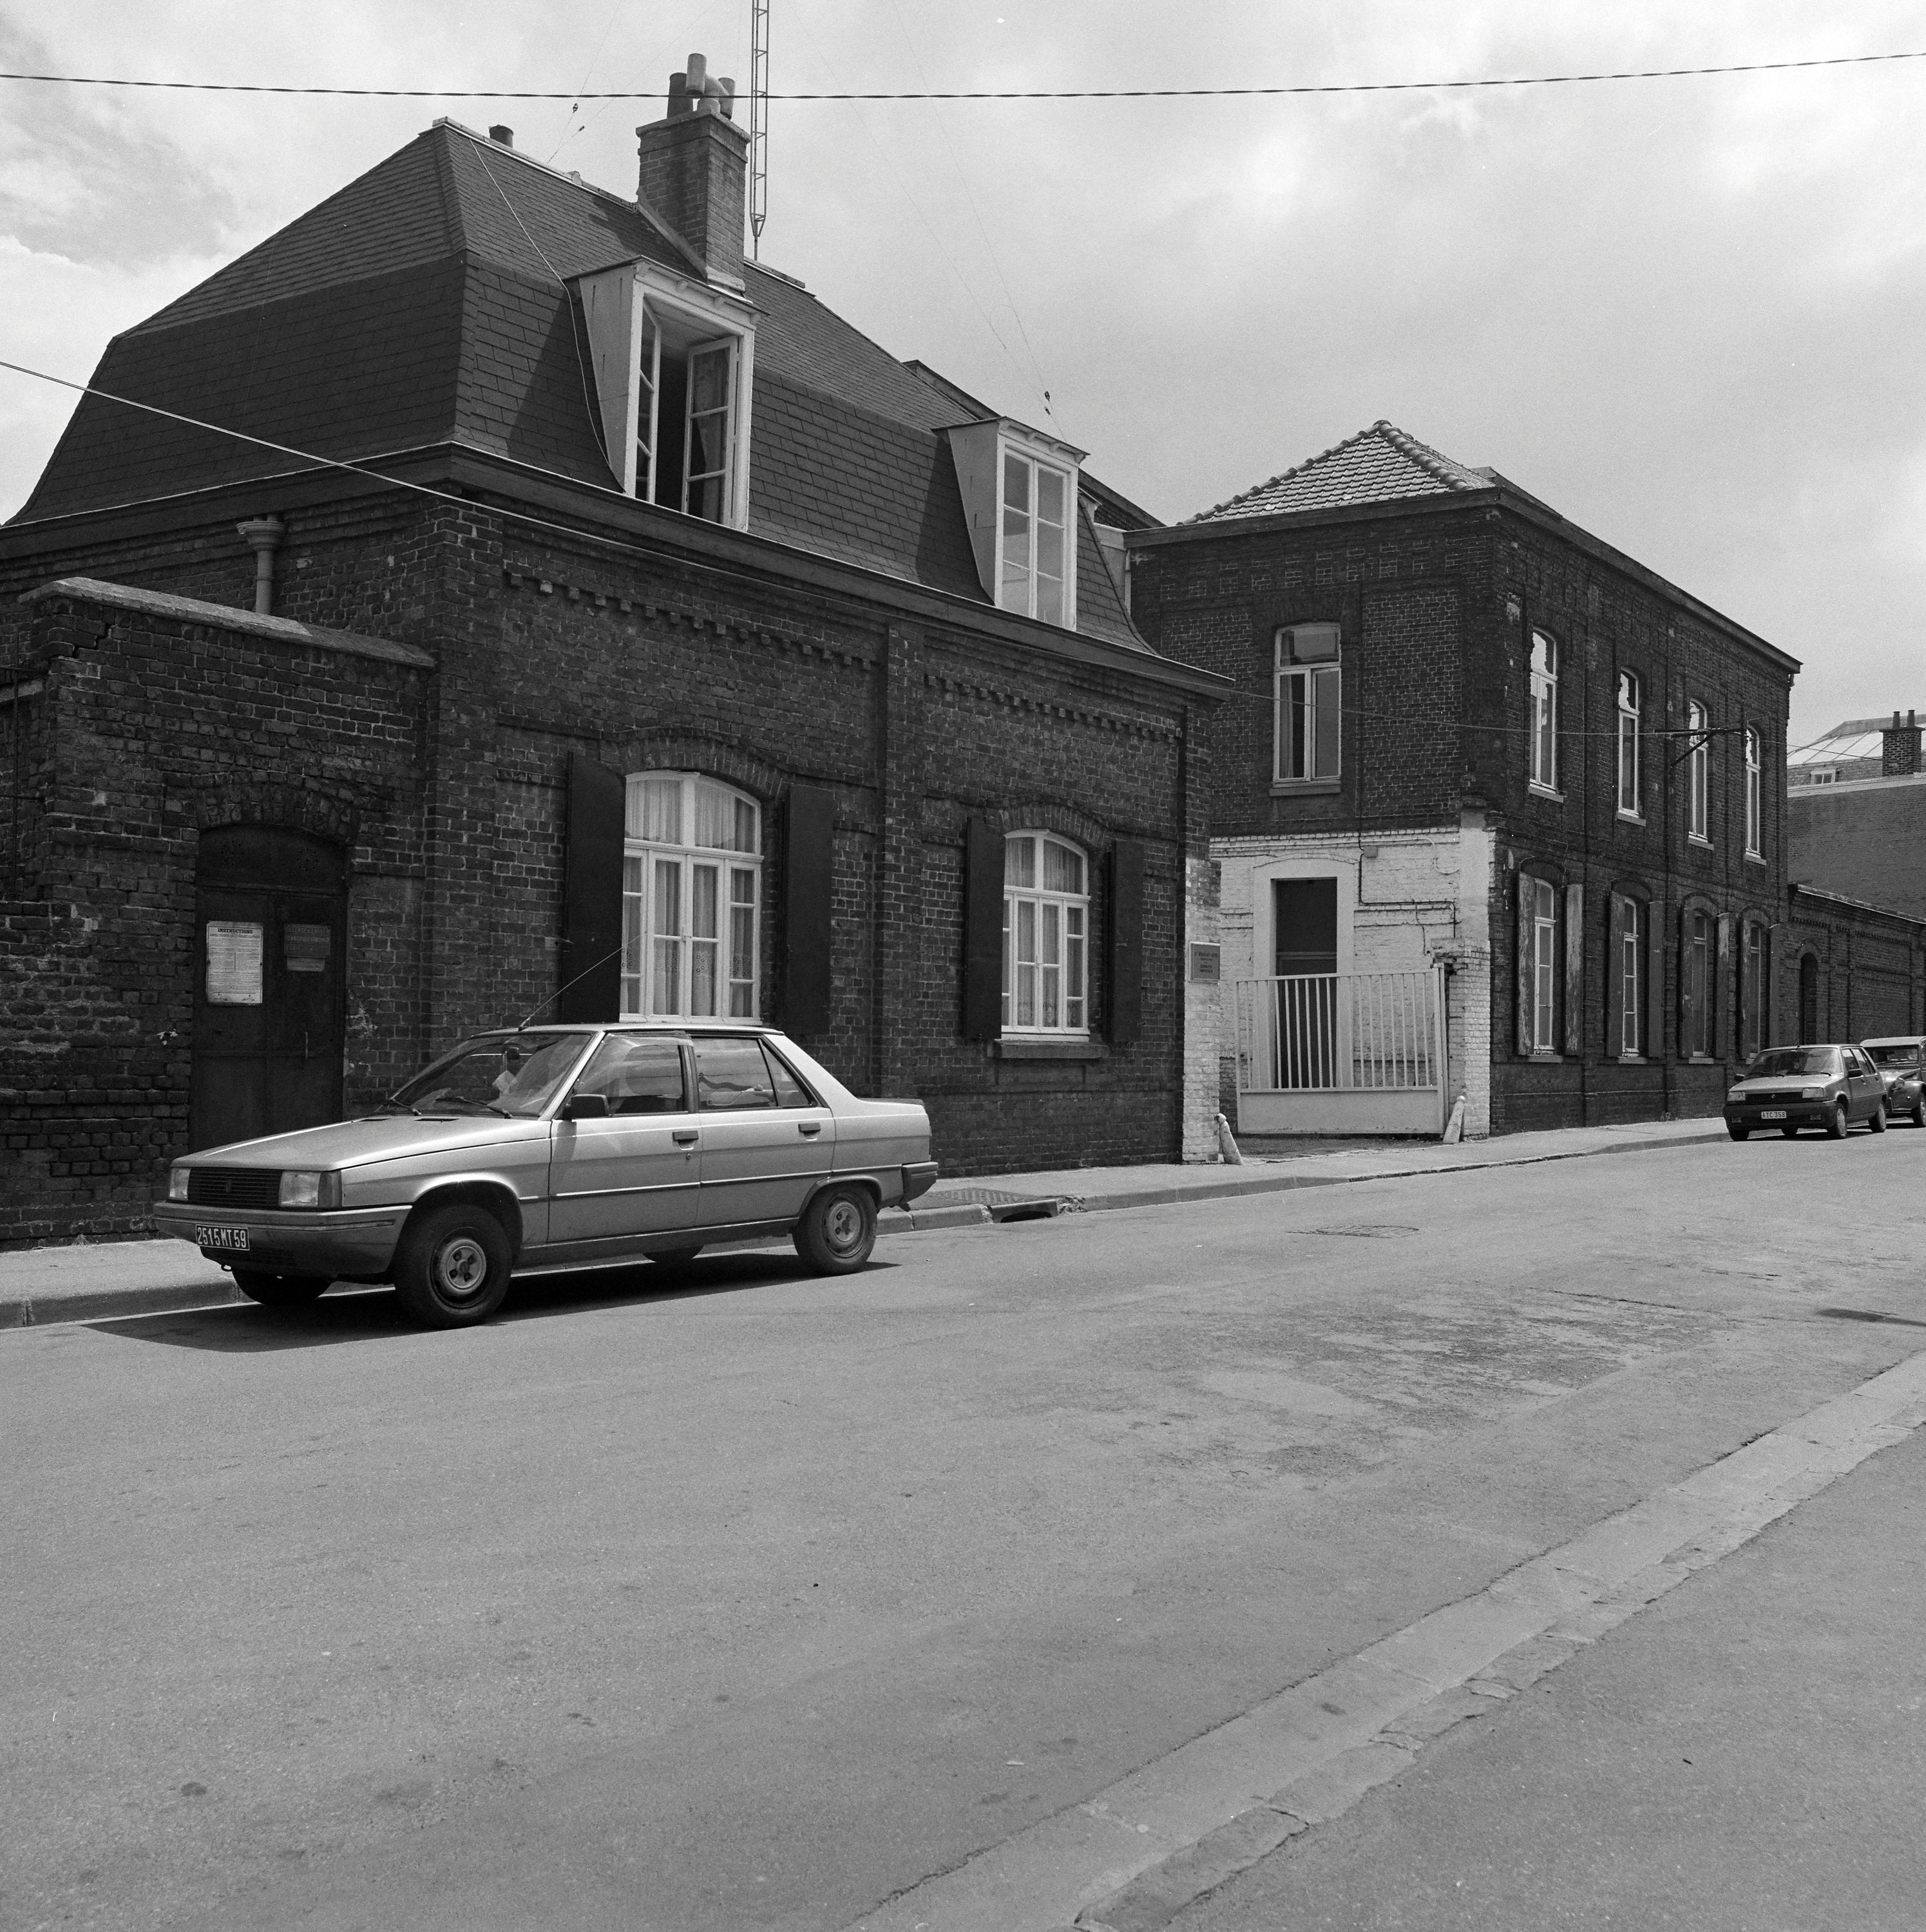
(1835, 1123)
(1878, 1122)
(837, 1230)
(1917, 1116)
(451, 1269)
(1737, 1132)
(280, 1290)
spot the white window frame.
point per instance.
(1027, 595)
(1545, 962)
(1038, 918)
(1544, 758)
(663, 886)
(1630, 968)
(981, 450)
(1753, 798)
(1631, 705)
(1314, 690)
(626, 308)
(1699, 776)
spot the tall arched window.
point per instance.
(691, 883)
(1046, 935)
(1544, 712)
(1698, 767)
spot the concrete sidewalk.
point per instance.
(93, 1281)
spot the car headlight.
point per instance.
(177, 1183)
(1812, 1092)
(1736, 1093)
(300, 1189)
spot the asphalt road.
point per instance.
(730, 1597)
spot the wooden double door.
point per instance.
(270, 985)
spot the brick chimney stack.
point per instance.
(695, 169)
(1899, 747)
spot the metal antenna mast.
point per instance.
(758, 122)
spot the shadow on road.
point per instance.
(374, 1315)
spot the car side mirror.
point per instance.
(585, 1107)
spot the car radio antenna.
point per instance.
(561, 989)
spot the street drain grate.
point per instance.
(1370, 1230)
(1002, 1206)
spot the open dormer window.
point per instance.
(1020, 497)
(673, 363)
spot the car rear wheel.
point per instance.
(451, 1269)
(837, 1230)
(1878, 1122)
(1917, 1116)
(280, 1290)
(676, 1257)
(1737, 1132)
(1835, 1123)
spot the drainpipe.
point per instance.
(265, 533)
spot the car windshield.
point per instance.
(1896, 1053)
(1782, 1061)
(515, 1075)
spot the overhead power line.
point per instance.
(994, 94)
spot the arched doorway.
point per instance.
(1808, 998)
(270, 929)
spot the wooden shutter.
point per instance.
(1123, 1005)
(1654, 987)
(1527, 896)
(1688, 1005)
(1614, 1001)
(809, 880)
(983, 930)
(1574, 1026)
(591, 969)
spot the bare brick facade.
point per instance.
(1436, 592)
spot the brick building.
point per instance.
(1850, 970)
(1864, 837)
(1475, 760)
(665, 646)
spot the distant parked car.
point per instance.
(547, 1149)
(1901, 1060)
(1789, 1088)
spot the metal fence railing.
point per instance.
(1316, 1032)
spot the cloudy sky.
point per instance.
(1688, 314)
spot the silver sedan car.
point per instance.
(549, 1148)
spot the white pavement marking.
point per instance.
(1135, 1854)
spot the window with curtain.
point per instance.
(1046, 935)
(1698, 983)
(1698, 774)
(1309, 691)
(1629, 702)
(1538, 906)
(691, 888)
(1627, 967)
(1752, 794)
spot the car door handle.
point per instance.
(684, 1136)
(811, 1128)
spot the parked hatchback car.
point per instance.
(1901, 1060)
(1789, 1088)
(549, 1148)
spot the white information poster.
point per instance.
(234, 950)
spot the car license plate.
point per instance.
(235, 1238)
(1772, 1113)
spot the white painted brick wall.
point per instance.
(1203, 1014)
(1419, 895)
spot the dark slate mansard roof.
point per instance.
(425, 304)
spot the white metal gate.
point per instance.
(1341, 1053)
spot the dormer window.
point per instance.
(1019, 498)
(673, 363)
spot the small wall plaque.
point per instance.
(305, 948)
(1206, 964)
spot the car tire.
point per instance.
(452, 1266)
(1737, 1132)
(1836, 1123)
(676, 1257)
(280, 1290)
(1917, 1116)
(837, 1230)
(1877, 1121)
(1791, 1133)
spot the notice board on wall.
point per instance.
(234, 952)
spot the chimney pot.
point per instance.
(504, 136)
(694, 169)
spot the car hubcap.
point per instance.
(844, 1225)
(461, 1268)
